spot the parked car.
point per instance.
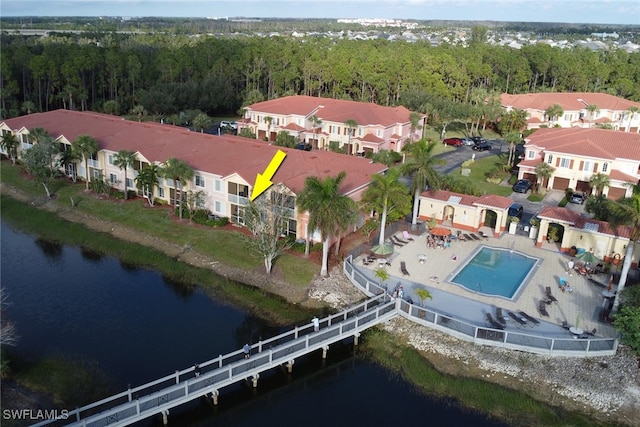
(482, 146)
(467, 141)
(478, 139)
(522, 186)
(456, 142)
(515, 210)
(578, 197)
(228, 124)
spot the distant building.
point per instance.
(611, 110)
(577, 154)
(376, 127)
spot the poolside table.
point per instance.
(576, 331)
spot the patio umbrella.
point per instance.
(588, 257)
(382, 250)
(440, 231)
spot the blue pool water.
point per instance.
(495, 272)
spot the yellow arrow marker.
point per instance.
(263, 180)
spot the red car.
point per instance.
(456, 142)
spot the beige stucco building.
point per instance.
(577, 154)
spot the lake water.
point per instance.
(136, 326)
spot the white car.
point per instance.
(228, 124)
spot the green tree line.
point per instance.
(168, 73)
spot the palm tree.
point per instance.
(124, 159)
(387, 196)
(351, 125)
(85, 146)
(553, 112)
(178, 171)
(10, 145)
(513, 121)
(330, 212)
(414, 123)
(421, 165)
(592, 109)
(632, 112)
(147, 181)
(599, 181)
(139, 111)
(544, 171)
(201, 121)
(627, 212)
(316, 123)
(69, 156)
(269, 121)
(512, 137)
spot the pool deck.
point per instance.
(583, 305)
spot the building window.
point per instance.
(379, 133)
(111, 159)
(604, 167)
(550, 158)
(564, 163)
(237, 214)
(161, 192)
(199, 181)
(113, 179)
(218, 207)
(587, 166)
(218, 185)
(129, 183)
(531, 154)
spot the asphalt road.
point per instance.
(455, 158)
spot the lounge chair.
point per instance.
(406, 236)
(520, 320)
(529, 318)
(549, 296)
(483, 234)
(493, 323)
(474, 237)
(500, 317)
(403, 268)
(395, 241)
(543, 309)
(467, 237)
(404, 242)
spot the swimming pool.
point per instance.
(495, 272)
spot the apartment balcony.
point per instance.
(238, 200)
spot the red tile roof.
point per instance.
(621, 176)
(597, 143)
(569, 101)
(555, 214)
(489, 200)
(222, 155)
(334, 110)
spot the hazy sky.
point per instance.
(574, 11)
